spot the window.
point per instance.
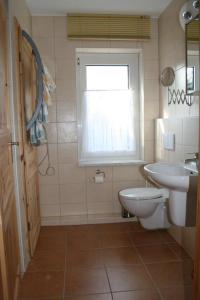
(108, 108)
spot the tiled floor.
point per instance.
(107, 262)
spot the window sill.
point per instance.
(111, 163)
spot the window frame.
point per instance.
(116, 57)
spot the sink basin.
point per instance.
(171, 176)
(182, 184)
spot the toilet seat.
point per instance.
(143, 193)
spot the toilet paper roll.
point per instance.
(99, 178)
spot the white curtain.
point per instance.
(108, 124)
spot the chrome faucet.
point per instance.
(194, 159)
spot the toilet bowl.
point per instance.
(148, 204)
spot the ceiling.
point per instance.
(61, 7)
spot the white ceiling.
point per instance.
(61, 7)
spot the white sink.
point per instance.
(176, 178)
(171, 176)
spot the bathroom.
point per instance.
(86, 249)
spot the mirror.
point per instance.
(192, 56)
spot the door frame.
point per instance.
(19, 193)
(197, 256)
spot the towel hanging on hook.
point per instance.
(45, 86)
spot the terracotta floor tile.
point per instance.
(76, 228)
(89, 258)
(137, 295)
(86, 281)
(135, 227)
(114, 240)
(92, 297)
(46, 298)
(178, 293)
(166, 236)
(171, 273)
(127, 278)
(146, 238)
(120, 256)
(47, 261)
(42, 284)
(156, 253)
(113, 227)
(83, 240)
(52, 243)
(180, 252)
(96, 253)
(52, 231)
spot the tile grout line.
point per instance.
(65, 269)
(146, 269)
(173, 251)
(105, 268)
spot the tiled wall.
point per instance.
(186, 132)
(71, 196)
(180, 118)
(172, 54)
(186, 141)
(21, 12)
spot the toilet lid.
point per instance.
(142, 193)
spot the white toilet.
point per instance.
(148, 204)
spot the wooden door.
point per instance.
(26, 104)
(9, 251)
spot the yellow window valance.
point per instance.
(193, 31)
(90, 26)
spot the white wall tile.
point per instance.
(52, 113)
(71, 174)
(49, 194)
(68, 153)
(151, 89)
(65, 48)
(48, 180)
(51, 129)
(124, 173)
(66, 111)
(190, 131)
(50, 210)
(101, 192)
(73, 209)
(53, 153)
(149, 151)
(151, 69)
(43, 27)
(73, 193)
(67, 132)
(151, 108)
(150, 50)
(60, 27)
(149, 130)
(100, 207)
(66, 69)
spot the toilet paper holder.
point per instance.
(99, 172)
